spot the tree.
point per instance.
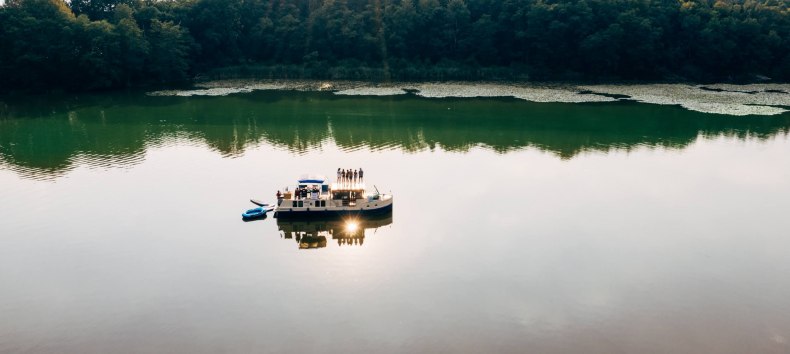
(97, 54)
(216, 26)
(133, 47)
(121, 43)
(36, 49)
(457, 28)
(97, 9)
(169, 48)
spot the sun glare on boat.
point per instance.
(351, 226)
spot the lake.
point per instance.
(518, 227)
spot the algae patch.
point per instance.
(372, 91)
(737, 100)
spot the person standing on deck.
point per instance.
(355, 176)
(338, 175)
(360, 175)
(348, 177)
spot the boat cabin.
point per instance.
(314, 188)
(315, 192)
(347, 197)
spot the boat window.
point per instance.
(340, 195)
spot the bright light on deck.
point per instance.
(347, 185)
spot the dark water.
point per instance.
(518, 227)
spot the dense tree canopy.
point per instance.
(97, 44)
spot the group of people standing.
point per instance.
(302, 193)
(349, 176)
(307, 192)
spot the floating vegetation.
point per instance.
(738, 100)
(372, 91)
(534, 94)
(219, 91)
(286, 85)
(752, 88)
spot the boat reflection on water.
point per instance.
(349, 231)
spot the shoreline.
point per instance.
(730, 99)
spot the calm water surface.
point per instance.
(518, 227)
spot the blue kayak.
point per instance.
(257, 212)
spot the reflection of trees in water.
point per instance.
(44, 138)
(310, 234)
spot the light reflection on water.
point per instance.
(350, 231)
(624, 228)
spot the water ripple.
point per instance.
(104, 161)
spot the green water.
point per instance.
(43, 137)
(517, 227)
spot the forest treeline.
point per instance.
(100, 44)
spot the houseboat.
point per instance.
(315, 197)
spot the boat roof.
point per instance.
(312, 179)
